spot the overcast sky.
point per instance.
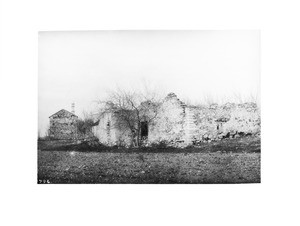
(80, 67)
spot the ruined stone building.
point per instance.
(179, 124)
(63, 125)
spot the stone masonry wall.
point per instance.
(180, 125)
(109, 133)
(169, 126)
(63, 126)
(225, 121)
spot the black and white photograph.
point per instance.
(149, 107)
(162, 112)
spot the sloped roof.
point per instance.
(61, 111)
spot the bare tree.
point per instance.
(130, 110)
(84, 126)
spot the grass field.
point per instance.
(231, 161)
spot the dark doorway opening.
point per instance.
(144, 129)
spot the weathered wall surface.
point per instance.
(169, 124)
(109, 132)
(63, 126)
(179, 125)
(123, 136)
(104, 131)
(229, 120)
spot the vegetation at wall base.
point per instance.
(248, 144)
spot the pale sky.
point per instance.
(80, 67)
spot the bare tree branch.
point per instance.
(130, 109)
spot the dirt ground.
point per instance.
(194, 165)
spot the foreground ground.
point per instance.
(232, 161)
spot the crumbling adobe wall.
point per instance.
(110, 133)
(104, 131)
(245, 119)
(168, 126)
(180, 125)
(226, 121)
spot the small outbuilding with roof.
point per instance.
(63, 125)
